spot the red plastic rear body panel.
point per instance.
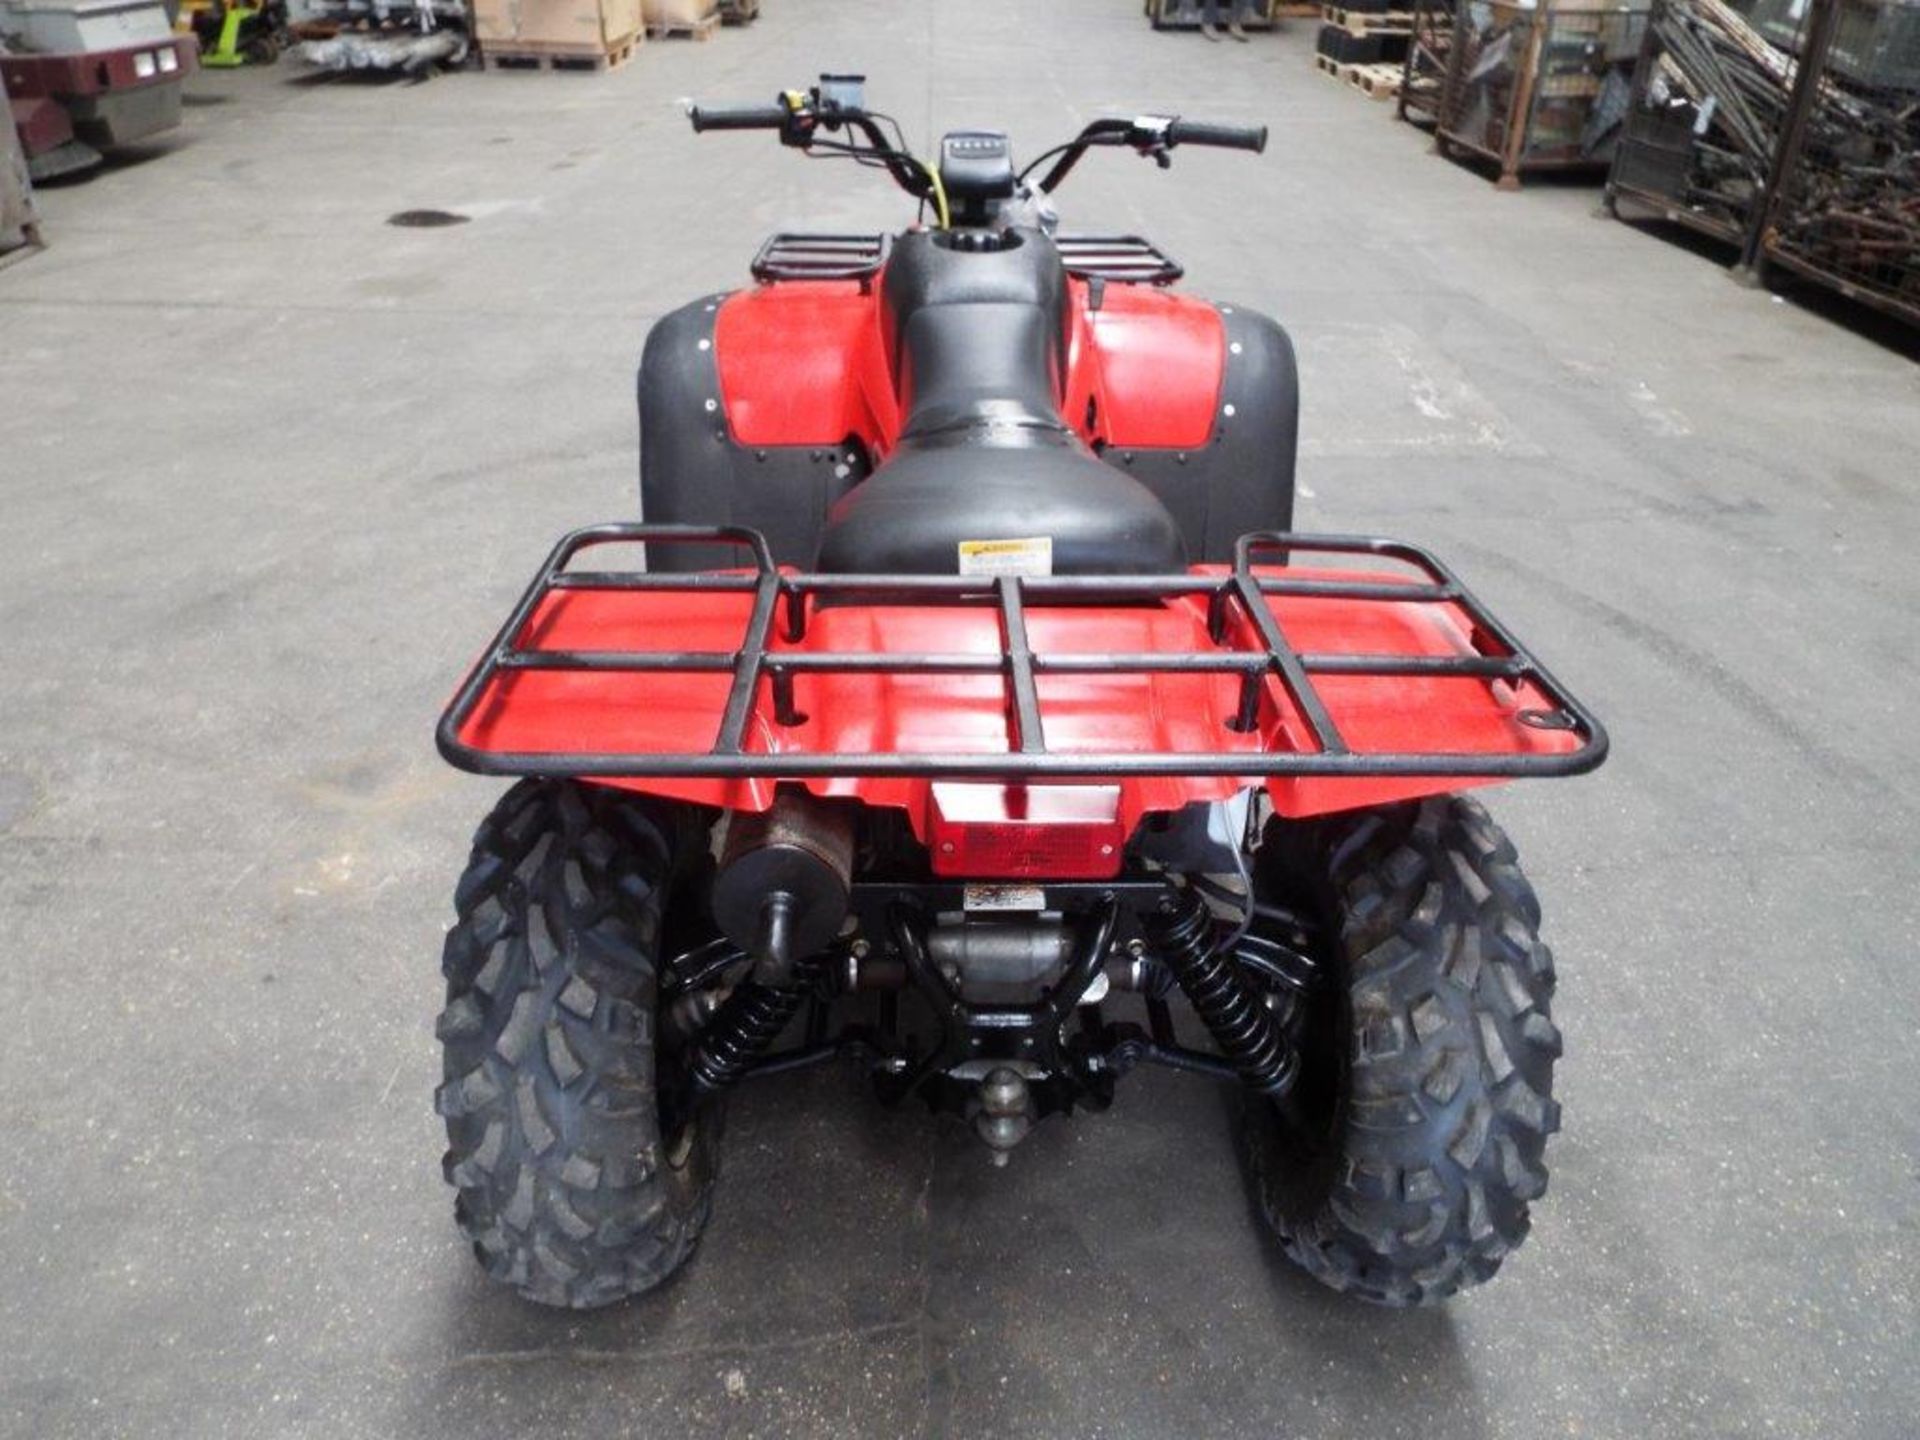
(1152, 361)
(804, 362)
(801, 364)
(560, 712)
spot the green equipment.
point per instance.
(233, 34)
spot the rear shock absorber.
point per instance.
(740, 1032)
(757, 1011)
(1248, 1034)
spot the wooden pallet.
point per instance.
(1376, 82)
(505, 55)
(1363, 23)
(698, 30)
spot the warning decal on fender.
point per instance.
(1007, 557)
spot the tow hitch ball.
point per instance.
(1002, 1111)
(1250, 1036)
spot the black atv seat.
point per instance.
(978, 341)
(972, 331)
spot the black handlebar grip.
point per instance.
(737, 117)
(1228, 137)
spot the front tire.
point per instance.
(565, 1185)
(1401, 1166)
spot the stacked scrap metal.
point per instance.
(1706, 116)
(1848, 208)
(1713, 126)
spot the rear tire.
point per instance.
(1401, 1166)
(551, 1099)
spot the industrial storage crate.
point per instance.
(1876, 43)
(1778, 21)
(1846, 207)
(1427, 53)
(1810, 171)
(1703, 120)
(1538, 87)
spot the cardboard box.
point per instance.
(555, 24)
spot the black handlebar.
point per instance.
(737, 117)
(800, 119)
(1227, 137)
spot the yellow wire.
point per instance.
(939, 196)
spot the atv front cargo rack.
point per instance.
(1254, 671)
(1123, 259)
(790, 256)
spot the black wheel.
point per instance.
(1401, 1165)
(567, 1188)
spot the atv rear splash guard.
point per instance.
(581, 680)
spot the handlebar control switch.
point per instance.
(976, 170)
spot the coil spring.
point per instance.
(1248, 1034)
(750, 1020)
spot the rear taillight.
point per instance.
(169, 60)
(1057, 832)
(145, 65)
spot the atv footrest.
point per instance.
(1254, 671)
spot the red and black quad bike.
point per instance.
(975, 707)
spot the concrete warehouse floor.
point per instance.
(272, 471)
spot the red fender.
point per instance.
(804, 363)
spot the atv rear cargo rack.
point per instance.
(573, 684)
